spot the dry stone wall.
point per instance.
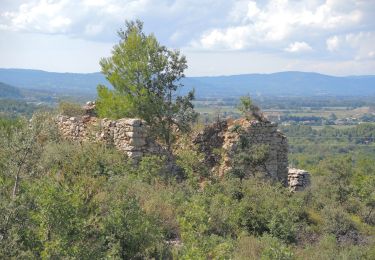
(219, 142)
(225, 135)
(298, 179)
(128, 135)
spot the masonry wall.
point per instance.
(127, 135)
(226, 135)
(298, 179)
(219, 142)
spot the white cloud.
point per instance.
(332, 43)
(231, 38)
(335, 30)
(43, 16)
(363, 43)
(358, 45)
(276, 22)
(297, 47)
(69, 16)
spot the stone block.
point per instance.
(137, 141)
(133, 122)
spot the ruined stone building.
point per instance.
(219, 142)
(226, 136)
(128, 135)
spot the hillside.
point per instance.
(276, 84)
(66, 83)
(7, 91)
(283, 84)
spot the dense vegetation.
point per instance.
(15, 108)
(63, 200)
(308, 146)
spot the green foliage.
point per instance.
(192, 163)
(249, 109)
(265, 208)
(195, 225)
(338, 223)
(8, 125)
(113, 105)
(70, 109)
(267, 248)
(248, 159)
(145, 76)
(64, 223)
(274, 249)
(151, 169)
(248, 247)
(14, 108)
(130, 233)
(65, 200)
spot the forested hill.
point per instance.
(7, 91)
(291, 83)
(67, 83)
(275, 84)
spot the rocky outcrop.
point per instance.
(127, 135)
(298, 179)
(220, 143)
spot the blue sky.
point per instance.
(219, 37)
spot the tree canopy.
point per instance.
(145, 76)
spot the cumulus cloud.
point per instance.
(209, 24)
(276, 22)
(99, 19)
(358, 45)
(78, 18)
(231, 38)
(333, 29)
(298, 47)
(363, 43)
(46, 16)
(332, 43)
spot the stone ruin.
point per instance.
(225, 135)
(298, 179)
(128, 135)
(219, 142)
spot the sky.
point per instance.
(218, 37)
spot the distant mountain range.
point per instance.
(54, 82)
(290, 83)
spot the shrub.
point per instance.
(248, 247)
(274, 249)
(338, 223)
(70, 109)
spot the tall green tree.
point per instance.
(145, 76)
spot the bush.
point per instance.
(248, 247)
(337, 222)
(70, 109)
(265, 248)
(274, 249)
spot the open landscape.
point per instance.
(210, 130)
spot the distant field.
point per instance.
(340, 112)
(215, 109)
(326, 113)
(320, 127)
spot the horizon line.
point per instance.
(206, 76)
